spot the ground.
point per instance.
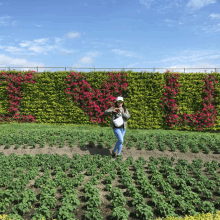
(105, 208)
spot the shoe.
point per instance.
(114, 154)
(118, 155)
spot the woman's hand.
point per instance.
(116, 110)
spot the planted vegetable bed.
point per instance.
(51, 186)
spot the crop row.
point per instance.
(168, 190)
(140, 141)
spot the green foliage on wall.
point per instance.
(47, 101)
(4, 98)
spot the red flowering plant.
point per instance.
(208, 113)
(14, 95)
(93, 101)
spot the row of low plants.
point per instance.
(202, 216)
(140, 139)
(183, 188)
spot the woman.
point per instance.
(119, 110)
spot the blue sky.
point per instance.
(110, 34)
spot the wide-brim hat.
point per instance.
(119, 98)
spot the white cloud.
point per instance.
(14, 49)
(36, 47)
(198, 4)
(58, 40)
(41, 41)
(27, 44)
(192, 56)
(17, 62)
(3, 20)
(72, 35)
(164, 6)
(86, 60)
(146, 2)
(41, 46)
(93, 54)
(65, 52)
(215, 16)
(123, 53)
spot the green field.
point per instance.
(67, 172)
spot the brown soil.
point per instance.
(105, 207)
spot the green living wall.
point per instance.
(48, 102)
